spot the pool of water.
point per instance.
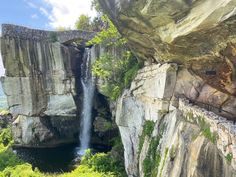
(59, 159)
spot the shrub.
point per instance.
(8, 159)
(229, 157)
(108, 36)
(6, 137)
(103, 163)
(117, 73)
(24, 170)
(85, 171)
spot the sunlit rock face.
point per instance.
(167, 136)
(193, 42)
(40, 85)
(199, 34)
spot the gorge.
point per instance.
(176, 118)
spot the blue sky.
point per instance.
(21, 13)
(43, 14)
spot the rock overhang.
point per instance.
(199, 34)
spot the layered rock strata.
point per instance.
(164, 135)
(42, 85)
(199, 34)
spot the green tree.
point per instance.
(84, 23)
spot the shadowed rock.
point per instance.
(199, 34)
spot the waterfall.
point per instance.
(88, 86)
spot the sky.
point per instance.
(43, 14)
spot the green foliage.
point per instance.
(62, 28)
(6, 137)
(23, 170)
(83, 23)
(95, 5)
(116, 73)
(148, 128)
(99, 165)
(153, 159)
(104, 163)
(85, 171)
(4, 112)
(8, 159)
(108, 36)
(229, 157)
(206, 131)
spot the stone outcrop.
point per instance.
(64, 37)
(162, 134)
(42, 84)
(46, 131)
(165, 135)
(199, 34)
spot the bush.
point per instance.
(229, 157)
(6, 138)
(117, 73)
(108, 36)
(103, 163)
(24, 170)
(8, 159)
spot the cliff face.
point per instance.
(177, 119)
(42, 85)
(199, 34)
(166, 136)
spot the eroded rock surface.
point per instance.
(165, 136)
(42, 86)
(199, 34)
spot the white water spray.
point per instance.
(88, 85)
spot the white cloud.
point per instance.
(34, 16)
(65, 12)
(43, 11)
(32, 5)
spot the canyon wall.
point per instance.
(178, 117)
(42, 84)
(168, 135)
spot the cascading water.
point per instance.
(88, 85)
